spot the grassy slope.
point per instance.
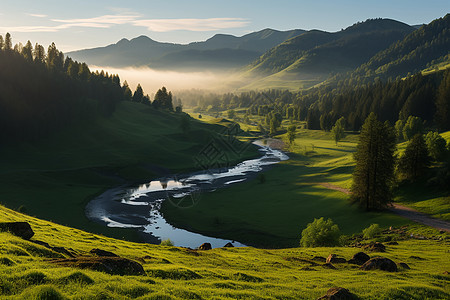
(54, 179)
(275, 212)
(223, 273)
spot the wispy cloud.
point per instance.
(37, 15)
(156, 25)
(102, 20)
(163, 25)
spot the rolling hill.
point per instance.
(313, 56)
(221, 50)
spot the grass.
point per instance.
(55, 178)
(221, 273)
(273, 213)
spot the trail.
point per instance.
(404, 211)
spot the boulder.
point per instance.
(20, 229)
(100, 252)
(329, 266)
(404, 266)
(338, 293)
(319, 259)
(359, 258)
(205, 246)
(375, 247)
(228, 245)
(334, 259)
(379, 263)
(110, 265)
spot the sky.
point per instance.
(81, 24)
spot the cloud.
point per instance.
(156, 25)
(37, 15)
(211, 24)
(102, 20)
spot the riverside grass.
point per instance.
(222, 273)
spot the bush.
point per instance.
(371, 231)
(319, 233)
(167, 242)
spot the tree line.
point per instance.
(42, 91)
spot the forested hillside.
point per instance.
(412, 54)
(42, 92)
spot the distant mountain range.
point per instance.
(220, 51)
(291, 59)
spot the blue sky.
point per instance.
(84, 24)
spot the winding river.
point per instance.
(139, 206)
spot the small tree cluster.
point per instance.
(320, 233)
(338, 130)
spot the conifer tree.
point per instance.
(415, 159)
(138, 94)
(374, 172)
(338, 130)
(443, 103)
(8, 42)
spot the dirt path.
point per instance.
(403, 211)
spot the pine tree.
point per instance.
(338, 130)
(374, 172)
(1, 43)
(163, 99)
(8, 42)
(443, 103)
(415, 159)
(27, 51)
(127, 94)
(138, 94)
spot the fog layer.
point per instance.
(151, 80)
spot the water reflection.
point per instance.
(139, 207)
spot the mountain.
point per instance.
(221, 50)
(420, 49)
(314, 55)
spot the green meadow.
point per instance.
(27, 271)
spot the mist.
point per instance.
(151, 80)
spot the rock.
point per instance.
(329, 266)
(228, 245)
(375, 247)
(359, 258)
(110, 265)
(319, 259)
(392, 243)
(20, 229)
(338, 293)
(100, 252)
(334, 259)
(379, 263)
(205, 246)
(404, 266)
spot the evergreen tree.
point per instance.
(338, 130)
(443, 103)
(374, 171)
(415, 159)
(413, 126)
(436, 145)
(163, 99)
(291, 134)
(39, 53)
(1, 43)
(138, 94)
(399, 129)
(8, 42)
(127, 94)
(27, 51)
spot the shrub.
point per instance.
(319, 233)
(371, 231)
(167, 242)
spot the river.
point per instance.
(139, 206)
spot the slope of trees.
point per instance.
(43, 91)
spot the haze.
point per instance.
(151, 80)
